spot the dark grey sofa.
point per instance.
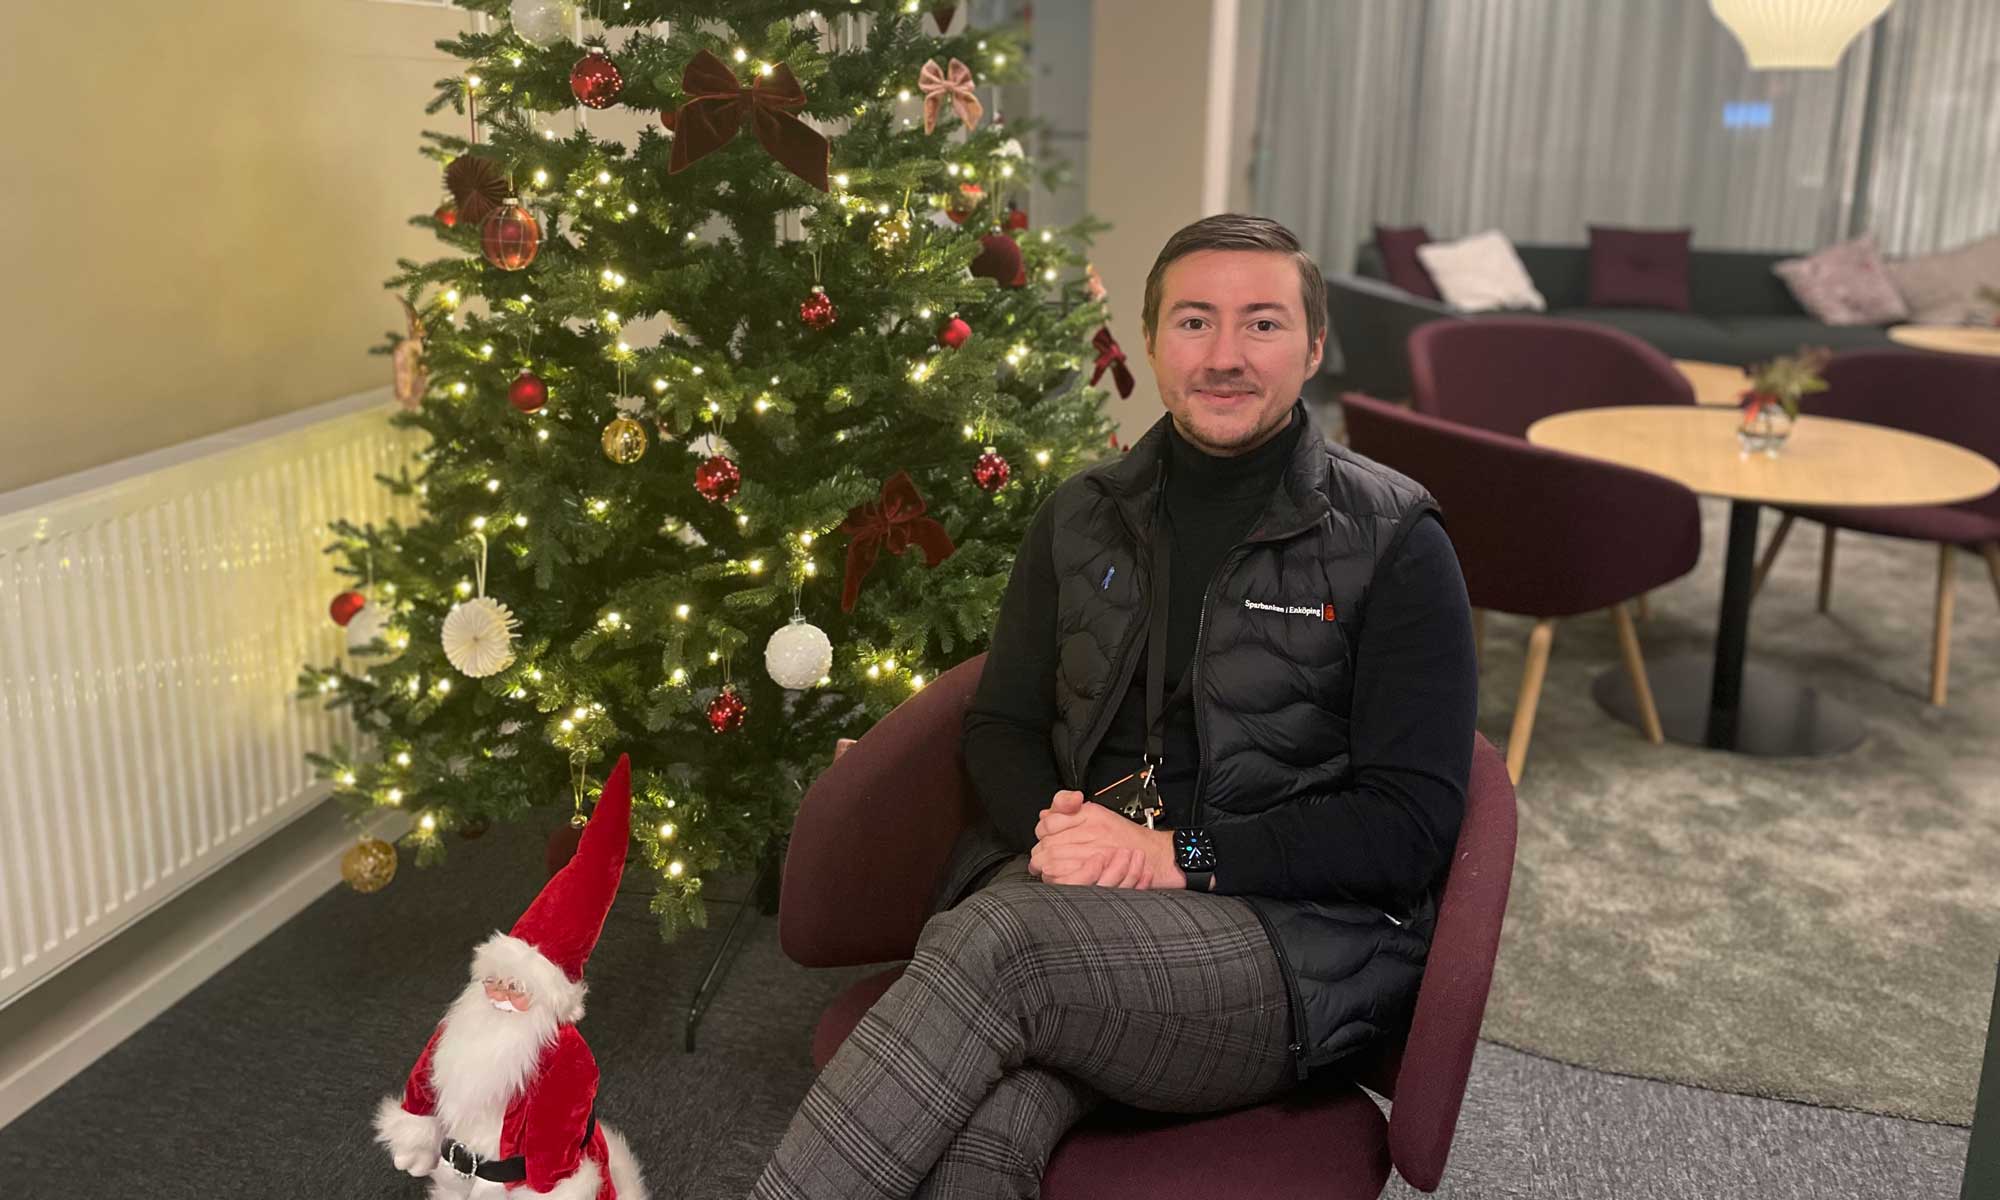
(1742, 313)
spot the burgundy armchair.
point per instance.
(1505, 373)
(1952, 397)
(1541, 534)
(869, 848)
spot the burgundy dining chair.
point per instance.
(1951, 397)
(1540, 533)
(1505, 373)
(867, 853)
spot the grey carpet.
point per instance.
(259, 1084)
(1820, 930)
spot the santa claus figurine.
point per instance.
(502, 1102)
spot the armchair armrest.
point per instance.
(1437, 1056)
(875, 831)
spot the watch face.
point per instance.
(1194, 850)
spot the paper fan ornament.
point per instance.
(479, 633)
(478, 186)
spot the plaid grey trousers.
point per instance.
(1026, 1006)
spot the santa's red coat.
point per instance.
(545, 1121)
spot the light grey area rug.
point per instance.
(1816, 930)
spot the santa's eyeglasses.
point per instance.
(513, 988)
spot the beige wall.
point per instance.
(201, 203)
(1164, 143)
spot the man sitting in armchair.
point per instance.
(1222, 740)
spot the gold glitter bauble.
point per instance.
(891, 232)
(368, 865)
(624, 441)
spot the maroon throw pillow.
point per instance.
(1400, 261)
(1639, 268)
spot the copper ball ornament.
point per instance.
(510, 236)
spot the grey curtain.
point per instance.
(1538, 117)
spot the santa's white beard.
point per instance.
(484, 1057)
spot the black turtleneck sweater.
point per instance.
(1381, 840)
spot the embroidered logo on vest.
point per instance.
(1323, 611)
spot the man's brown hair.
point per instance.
(1237, 231)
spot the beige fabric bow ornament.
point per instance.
(953, 86)
(412, 381)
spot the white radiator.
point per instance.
(153, 619)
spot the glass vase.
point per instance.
(1764, 430)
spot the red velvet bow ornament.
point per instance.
(717, 103)
(1111, 357)
(896, 520)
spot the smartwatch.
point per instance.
(1194, 854)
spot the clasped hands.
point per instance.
(1080, 842)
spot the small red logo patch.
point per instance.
(1326, 613)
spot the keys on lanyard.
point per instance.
(1137, 795)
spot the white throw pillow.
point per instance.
(1480, 273)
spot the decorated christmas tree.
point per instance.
(733, 426)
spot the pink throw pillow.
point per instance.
(1845, 284)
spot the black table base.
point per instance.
(1776, 715)
(1724, 703)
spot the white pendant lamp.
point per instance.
(1796, 33)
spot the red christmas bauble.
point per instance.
(1000, 260)
(510, 236)
(817, 311)
(969, 196)
(1016, 218)
(991, 471)
(445, 215)
(563, 841)
(527, 392)
(717, 478)
(595, 80)
(345, 606)
(727, 710)
(954, 332)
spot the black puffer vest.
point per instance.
(1273, 687)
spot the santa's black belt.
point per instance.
(460, 1158)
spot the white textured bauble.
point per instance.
(798, 655)
(479, 636)
(542, 22)
(370, 623)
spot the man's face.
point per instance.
(1231, 351)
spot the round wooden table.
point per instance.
(1715, 702)
(1716, 385)
(1954, 339)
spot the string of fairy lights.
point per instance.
(594, 187)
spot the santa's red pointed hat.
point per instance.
(549, 945)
